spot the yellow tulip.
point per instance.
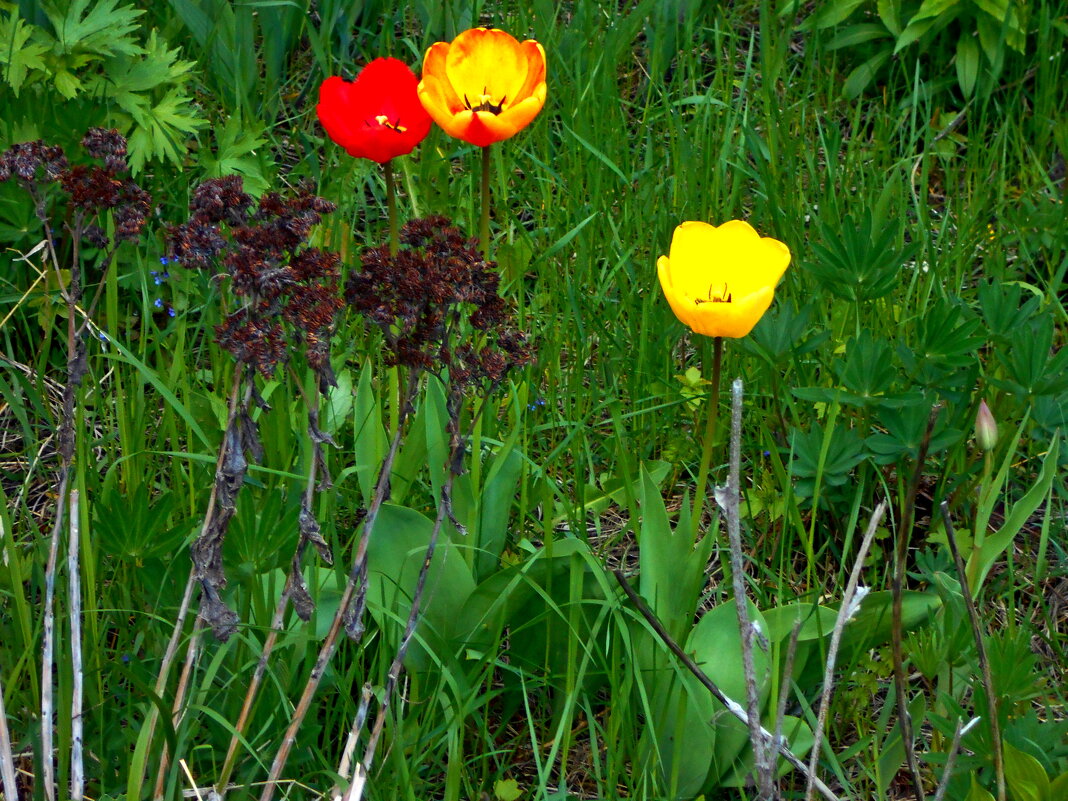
(719, 280)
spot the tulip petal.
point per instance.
(535, 56)
(489, 62)
(720, 281)
(732, 259)
(735, 319)
(434, 69)
(379, 115)
(488, 128)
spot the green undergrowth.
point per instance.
(930, 248)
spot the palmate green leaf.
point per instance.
(235, 149)
(101, 27)
(18, 55)
(857, 260)
(152, 68)
(904, 432)
(162, 129)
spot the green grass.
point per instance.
(658, 112)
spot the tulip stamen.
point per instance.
(385, 122)
(486, 103)
(723, 297)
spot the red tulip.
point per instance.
(377, 116)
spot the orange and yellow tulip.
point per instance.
(484, 86)
(720, 280)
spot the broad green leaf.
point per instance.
(857, 80)
(799, 738)
(858, 34)
(1024, 775)
(890, 14)
(716, 647)
(816, 621)
(832, 13)
(967, 64)
(913, 31)
(933, 8)
(871, 625)
(978, 793)
(494, 505)
(671, 567)
(1058, 788)
(395, 555)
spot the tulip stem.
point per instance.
(391, 208)
(483, 228)
(710, 427)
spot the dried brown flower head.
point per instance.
(261, 247)
(436, 290)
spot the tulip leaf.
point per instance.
(991, 549)
(371, 441)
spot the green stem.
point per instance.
(393, 373)
(710, 428)
(391, 207)
(483, 228)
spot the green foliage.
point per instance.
(923, 271)
(824, 458)
(92, 64)
(859, 259)
(970, 34)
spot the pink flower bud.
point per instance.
(986, 429)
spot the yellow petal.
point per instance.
(510, 122)
(713, 262)
(535, 56)
(735, 319)
(434, 67)
(434, 96)
(676, 301)
(490, 63)
(720, 280)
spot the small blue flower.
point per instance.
(170, 311)
(158, 303)
(535, 404)
(163, 260)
